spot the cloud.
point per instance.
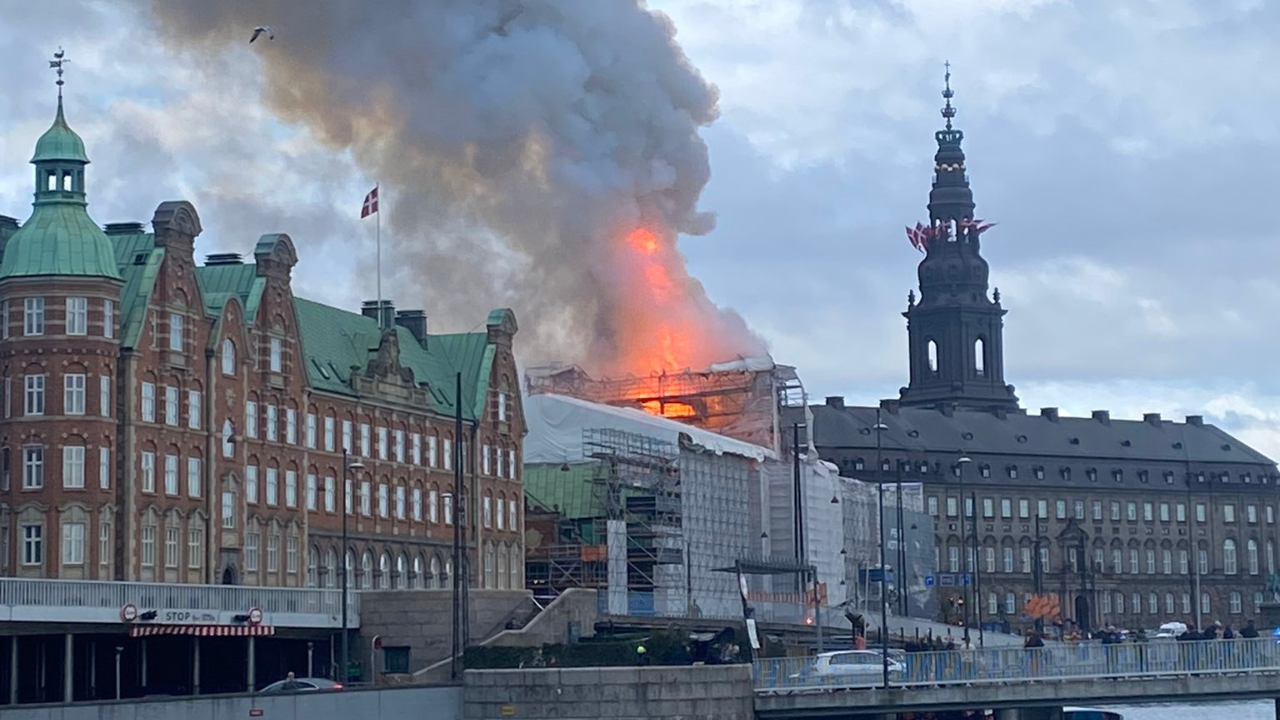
(1126, 150)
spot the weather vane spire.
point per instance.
(948, 112)
(59, 59)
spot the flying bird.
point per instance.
(261, 30)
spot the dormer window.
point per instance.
(985, 470)
(1065, 472)
(175, 332)
(1013, 472)
(857, 463)
(1168, 477)
(228, 357)
(66, 182)
(1039, 472)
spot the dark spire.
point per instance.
(948, 112)
(59, 59)
(955, 331)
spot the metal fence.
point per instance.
(1080, 661)
(38, 593)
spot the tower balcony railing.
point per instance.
(85, 601)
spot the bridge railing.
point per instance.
(1013, 665)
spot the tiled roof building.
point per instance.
(172, 422)
(1128, 522)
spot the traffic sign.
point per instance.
(966, 579)
(928, 580)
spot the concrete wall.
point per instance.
(423, 620)
(417, 703)
(721, 692)
(576, 607)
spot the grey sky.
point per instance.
(1126, 149)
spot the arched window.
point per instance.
(931, 350)
(447, 577)
(1234, 600)
(1229, 557)
(418, 580)
(228, 438)
(1169, 608)
(366, 570)
(313, 567)
(384, 572)
(514, 567)
(330, 568)
(435, 580)
(502, 567)
(228, 357)
(1204, 604)
(402, 572)
(980, 357)
(1251, 556)
(1271, 558)
(488, 565)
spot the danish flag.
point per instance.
(370, 204)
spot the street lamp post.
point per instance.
(884, 580)
(964, 543)
(903, 601)
(347, 492)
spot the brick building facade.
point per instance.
(173, 422)
(1131, 522)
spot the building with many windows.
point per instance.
(1130, 522)
(181, 423)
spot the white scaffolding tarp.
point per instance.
(555, 424)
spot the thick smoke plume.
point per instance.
(538, 154)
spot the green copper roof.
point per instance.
(139, 261)
(60, 142)
(59, 239)
(334, 341)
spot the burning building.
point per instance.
(741, 399)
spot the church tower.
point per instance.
(955, 331)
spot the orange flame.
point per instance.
(663, 320)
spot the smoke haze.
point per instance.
(518, 144)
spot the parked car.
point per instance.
(1072, 713)
(303, 685)
(855, 667)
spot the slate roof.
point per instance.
(1016, 434)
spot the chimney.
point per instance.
(415, 321)
(1049, 413)
(8, 226)
(835, 401)
(1196, 420)
(215, 259)
(1151, 418)
(125, 228)
(890, 406)
(388, 311)
(1102, 416)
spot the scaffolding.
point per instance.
(739, 399)
(637, 488)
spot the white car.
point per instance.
(1073, 713)
(854, 667)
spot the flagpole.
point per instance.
(378, 225)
